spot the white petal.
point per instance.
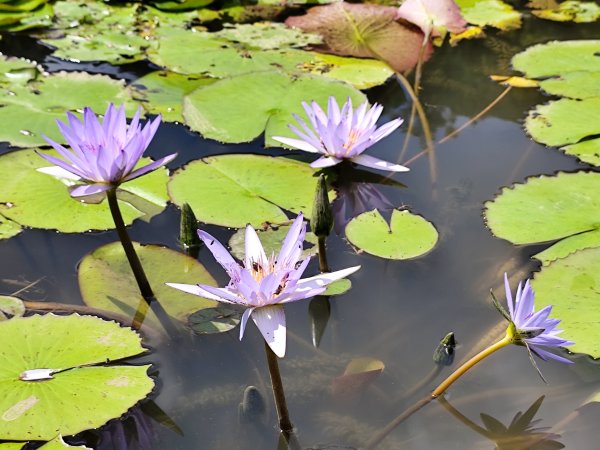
(326, 161)
(296, 143)
(325, 278)
(376, 163)
(254, 249)
(86, 190)
(270, 320)
(244, 320)
(218, 294)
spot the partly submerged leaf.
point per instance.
(234, 190)
(407, 236)
(572, 285)
(79, 395)
(8, 228)
(493, 13)
(218, 319)
(359, 373)
(364, 30)
(38, 200)
(241, 108)
(58, 444)
(587, 151)
(546, 208)
(106, 281)
(569, 245)
(571, 11)
(12, 306)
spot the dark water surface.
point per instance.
(397, 311)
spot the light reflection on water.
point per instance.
(396, 311)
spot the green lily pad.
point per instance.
(106, 280)
(12, 306)
(234, 190)
(271, 239)
(548, 208)
(38, 200)
(571, 11)
(364, 30)
(407, 236)
(572, 285)
(162, 92)
(58, 444)
(31, 111)
(20, 5)
(23, 20)
(219, 319)
(267, 36)
(17, 71)
(12, 446)
(76, 394)
(338, 287)
(566, 121)
(8, 228)
(557, 58)
(493, 13)
(181, 5)
(587, 151)
(240, 109)
(573, 85)
(569, 245)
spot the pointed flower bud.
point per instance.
(188, 228)
(444, 353)
(322, 214)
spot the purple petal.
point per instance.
(150, 167)
(270, 320)
(210, 292)
(325, 161)
(385, 130)
(376, 163)
(254, 250)
(244, 320)
(509, 299)
(59, 172)
(220, 253)
(322, 280)
(90, 189)
(288, 255)
(546, 355)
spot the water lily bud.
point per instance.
(444, 353)
(188, 230)
(252, 407)
(322, 216)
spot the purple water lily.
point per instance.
(344, 134)
(262, 284)
(534, 329)
(102, 155)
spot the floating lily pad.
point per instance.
(163, 92)
(271, 239)
(16, 71)
(8, 228)
(338, 287)
(571, 11)
(31, 111)
(587, 151)
(573, 84)
(38, 200)
(493, 13)
(12, 446)
(569, 245)
(546, 209)
(234, 190)
(106, 280)
(20, 5)
(239, 109)
(407, 236)
(58, 444)
(566, 121)
(23, 20)
(12, 306)
(267, 36)
(75, 394)
(219, 319)
(558, 57)
(364, 30)
(572, 285)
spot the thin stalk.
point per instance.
(323, 265)
(285, 425)
(132, 257)
(380, 436)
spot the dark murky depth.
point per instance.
(397, 311)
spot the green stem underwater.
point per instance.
(285, 425)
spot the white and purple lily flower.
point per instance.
(102, 155)
(264, 284)
(344, 134)
(534, 329)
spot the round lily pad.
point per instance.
(546, 208)
(572, 285)
(8, 228)
(38, 200)
(219, 319)
(77, 394)
(236, 190)
(271, 238)
(407, 236)
(106, 281)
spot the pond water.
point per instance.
(396, 311)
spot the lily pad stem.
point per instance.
(381, 435)
(285, 425)
(132, 257)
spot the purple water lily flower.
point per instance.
(262, 284)
(102, 155)
(344, 134)
(534, 329)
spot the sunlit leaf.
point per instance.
(359, 373)
(234, 190)
(267, 36)
(39, 200)
(407, 236)
(8, 228)
(569, 245)
(571, 11)
(11, 306)
(573, 84)
(107, 282)
(519, 82)
(493, 13)
(16, 71)
(79, 395)
(363, 30)
(58, 444)
(572, 285)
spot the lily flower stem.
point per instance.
(285, 425)
(132, 257)
(380, 436)
(323, 265)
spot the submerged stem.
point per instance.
(285, 425)
(132, 257)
